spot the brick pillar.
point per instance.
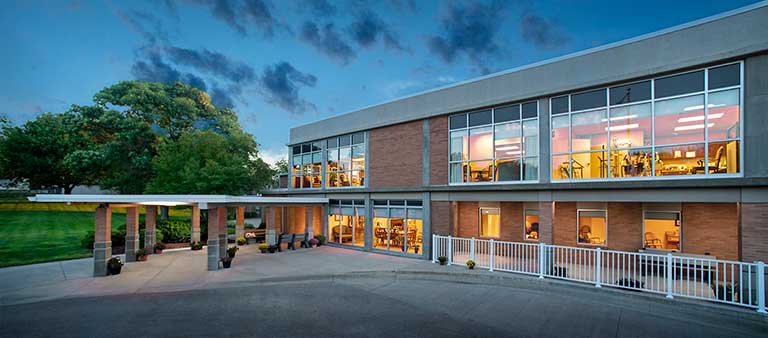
(102, 244)
(213, 239)
(754, 232)
(240, 223)
(131, 233)
(309, 221)
(546, 218)
(222, 213)
(271, 225)
(194, 231)
(150, 219)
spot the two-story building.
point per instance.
(657, 142)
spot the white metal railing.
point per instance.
(729, 282)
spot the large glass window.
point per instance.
(345, 161)
(592, 227)
(661, 230)
(670, 126)
(531, 225)
(398, 226)
(490, 222)
(346, 222)
(306, 165)
(500, 144)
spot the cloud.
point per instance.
(221, 98)
(542, 33)
(319, 8)
(156, 70)
(368, 28)
(469, 30)
(259, 14)
(213, 63)
(327, 41)
(137, 20)
(281, 83)
(240, 15)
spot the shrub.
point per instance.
(174, 231)
(196, 246)
(142, 253)
(263, 247)
(118, 239)
(471, 264)
(249, 226)
(241, 241)
(262, 225)
(725, 292)
(314, 241)
(442, 260)
(320, 238)
(159, 246)
(232, 250)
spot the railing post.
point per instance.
(492, 254)
(434, 248)
(760, 287)
(669, 275)
(598, 265)
(449, 252)
(542, 258)
(472, 249)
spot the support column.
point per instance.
(271, 224)
(102, 244)
(309, 221)
(240, 223)
(546, 219)
(222, 213)
(150, 234)
(213, 239)
(131, 233)
(194, 231)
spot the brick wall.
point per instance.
(712, 228)
(395, 159)
(754, 232)
(511, 221)
(440, 217)
(438, 150)
(468, 220)
(564, 224)
(625, 226)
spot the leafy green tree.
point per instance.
(39, 152)
(281, 166)
(205, 162)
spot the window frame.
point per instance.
(406, 207)
(301, 155)
(349, 171)
(493, 159)
(679, 217)
(525, 215)
(578, 226)
(706, 142)
(480, 221)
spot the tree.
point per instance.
(281, 166)
(204, 162)
(38, 152)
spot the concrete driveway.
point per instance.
(332, 292)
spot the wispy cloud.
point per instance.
(542, 33)
(327, 41)
(368, 28)
(281, 83)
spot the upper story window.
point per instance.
(345, 161)
(306, 163)
(495, 145)
(684, 124)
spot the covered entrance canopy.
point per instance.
(215, 205)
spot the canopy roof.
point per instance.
(172, 200)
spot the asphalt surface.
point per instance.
(363, 307)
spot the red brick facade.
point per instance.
(395, 156)
(754, 232)
(438, 150)
(440, 217)
(711, 228)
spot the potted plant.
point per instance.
(725, 292)
(241, 241)
(442, 260)
(232, 251)
(471, 264)
(314, 242)
(272, 248)
(416, 249)
(320, 239)
(159, 247)
(196, 246)
(263, 247)
(226, 261)
(142, 255)
(114, 266)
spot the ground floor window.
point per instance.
(398, 226)
(490, 222)
(531, 226)
(346, 222)
(592, 227)
(661, 230)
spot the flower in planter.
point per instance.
(159, 247)
(442, 260)
(241, 241)
(226, 262)
(114, 266)
(196, 246)
(232, 251)
(142, 254)
(263, 247)
(471, 264)
(314, 242)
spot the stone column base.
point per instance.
(213, 254)
(223, 245)
(102, 252)
(271, 237)
(131, 246)
(150, 238)
(195, 236)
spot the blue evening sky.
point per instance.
(282, 63)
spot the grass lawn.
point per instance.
(28, 237)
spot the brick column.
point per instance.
(546, 218)
(102, 244)
(222, 213)
(194, 231)
(150, 219)
(309, 221)
(213, 239)
(131, 233)
(240, 223)
(271, 225)
(754, 232)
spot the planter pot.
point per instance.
(471, 267)
(272, 250)
(263, 250)
(142, 258)
(314, 245)
(227, 263)
(442, 263)
(114, 270)
(159, 252)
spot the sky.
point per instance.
(281, 63)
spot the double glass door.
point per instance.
(346, 226)
(398, 230)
